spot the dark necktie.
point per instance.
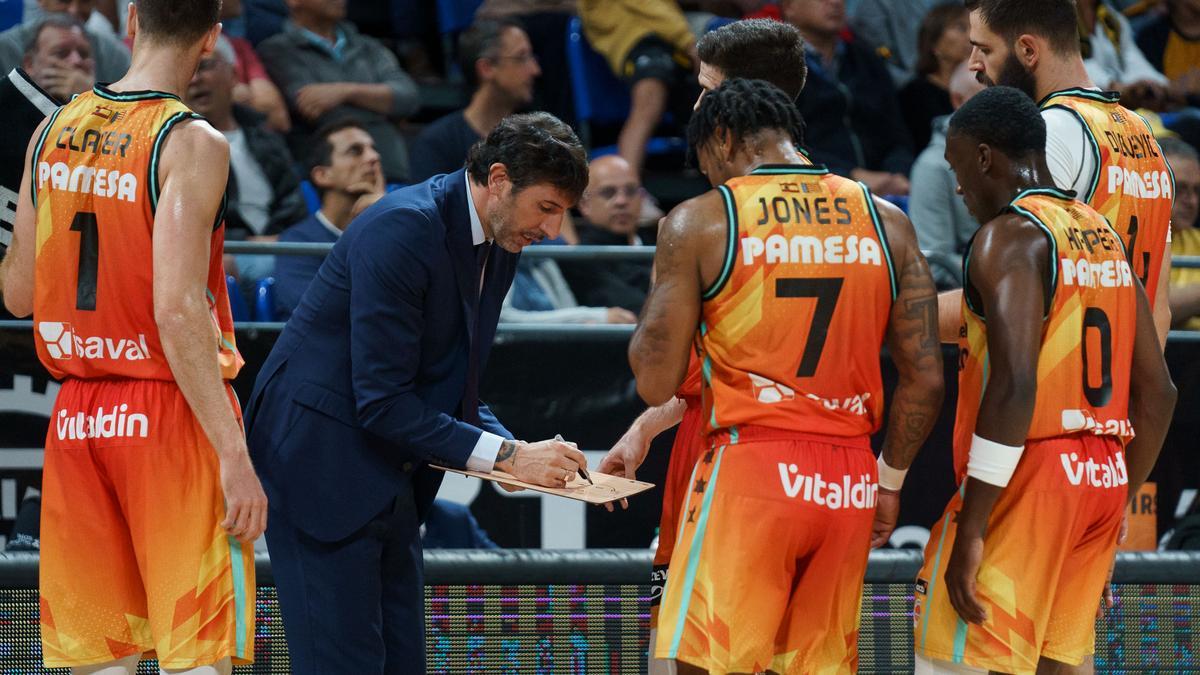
(470, 400)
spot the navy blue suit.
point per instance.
(367, 383)
(293, 273)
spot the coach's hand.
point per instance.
(961, 572)
(887, 512)
(245, 501)
(550, 463)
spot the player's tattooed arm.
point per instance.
(658, 352)
(912, 340)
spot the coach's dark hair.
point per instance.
(481, 41)
(1003, 118)
(758, 49)
(933, 26)
(536, 148)
(743, 108)
(1054, 20)
(63, 21)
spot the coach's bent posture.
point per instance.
(376, 375)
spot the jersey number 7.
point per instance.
(826, 291)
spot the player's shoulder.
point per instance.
(697, 216)
(1010, 231)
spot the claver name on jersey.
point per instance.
(1148, 185)
(88, 180)
(836, 249)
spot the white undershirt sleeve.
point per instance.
(1068, 151)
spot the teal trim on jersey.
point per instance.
(152, 177)
(733, 435)
(706, 373)
(960, 640)
(1053, 246)
(791, 169)
(1090, 94)
(935, 576)
(237, 564)
(883, 239)
(130, 96)
(37, 155)
(693, 559)
(730, 244)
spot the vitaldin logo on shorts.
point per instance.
(861, 494)
(63, 343)
(1109, 474)
(115, 422)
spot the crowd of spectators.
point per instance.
(326, 105)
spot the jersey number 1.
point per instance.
(826, 291)
(89, 259)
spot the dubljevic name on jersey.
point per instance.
(88, 180)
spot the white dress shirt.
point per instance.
(483, 457)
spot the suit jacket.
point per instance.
(366, 382)
(293, 273)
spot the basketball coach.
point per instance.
(376, 376)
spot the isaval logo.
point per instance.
(63, 343)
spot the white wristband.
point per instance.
(889, 478)
(992, 462)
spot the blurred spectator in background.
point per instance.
(854, 123)
(264, 18)
(891, 26)
(1185, 238)
(252, 86)
(938, 212)
(1113, 60)
(1171, 44)
(611, 207)
(347, 171)
(59, 58)
(648, 44)
(328, 71)
(545, 21)
(97, 17)
(540, 294)
(452, 525)
(498, 63)
(109, 54)
(942, 44)
(264, 194)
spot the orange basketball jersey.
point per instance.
(95, 187)
(790, 331)
(1133, 186)
(1087, 336)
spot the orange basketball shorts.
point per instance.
(1050, 542)
(133, 557)
(688, 447)
(770, 556)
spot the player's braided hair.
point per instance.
(744, 108)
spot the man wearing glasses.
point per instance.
(611, 208)
(497, 61)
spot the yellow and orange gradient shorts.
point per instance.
(133, 556)
(1047, 551)
(770, 555)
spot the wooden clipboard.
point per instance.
(606, 489)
